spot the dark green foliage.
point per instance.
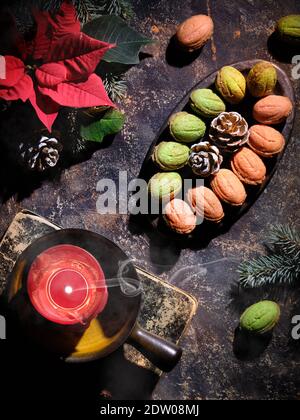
(282, 266)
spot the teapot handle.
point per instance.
(162, 353)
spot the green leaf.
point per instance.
(111, 123)
(114, 30)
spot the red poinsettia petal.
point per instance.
(43, 38)
(51, 28)
(79, 53)
(21, 90)
(14, 71)
(66, 21)
(77, 45)
(46, 109)
(80, 95)
(51, 74)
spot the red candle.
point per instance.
(66, 285)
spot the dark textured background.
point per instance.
(209, 369)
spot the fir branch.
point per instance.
(281, 267)
(82, 8)
(51, 4)
(120, 8)
(285, 240)
(268, 270)
(115, 87)
(83, 11)
(86, 10)
(92, 9)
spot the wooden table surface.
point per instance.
(209, 368)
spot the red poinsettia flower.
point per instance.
(63, 72)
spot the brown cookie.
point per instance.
(205, 204)
(265, 140)
(248, 167)
(272, 109)
(194, 32)
(229, 188)
(179, 216)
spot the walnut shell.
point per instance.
(265, 140)
(248, 167)
(170, 155)
(262, 79)
(229, 188)
(165, 186)
(194, 32)
(231, 84)
(288, 28)
(179, 216)
(273, 109)
(186, 128)
(205, 204)
(261, 317)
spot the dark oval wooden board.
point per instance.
(208, 230)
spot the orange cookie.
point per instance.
(179, 216)
(266, 141)
(227, 186)
(272, 109)
(205, 204)
(248, 167)
(194, 32)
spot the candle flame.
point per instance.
(68, 290)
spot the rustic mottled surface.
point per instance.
(209, 368)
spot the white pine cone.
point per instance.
(43, 156)
(229, 131)
(205, 159)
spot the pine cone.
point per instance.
(229, 131)
(205, 159)
(43, 156)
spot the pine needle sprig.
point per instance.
(115, 87)
(82, 8)
(282, 266)
(83, 11)
(124, 9)
(285, 240)
(120, 8)
(92, 9)
(268, 270)
(51, 5)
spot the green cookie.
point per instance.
(260, 317)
